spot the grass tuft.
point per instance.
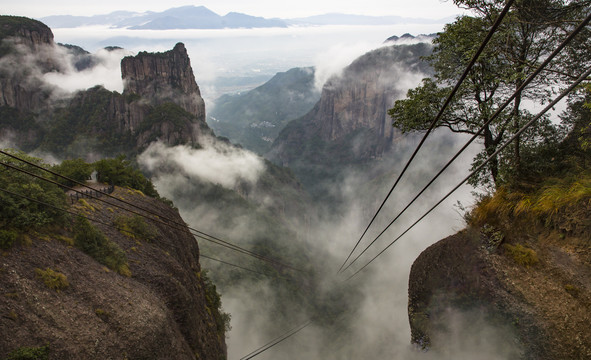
(53, 279)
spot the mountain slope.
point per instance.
(160, 309)
(255, 118)
(184, 17)
(349, 125)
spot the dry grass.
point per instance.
(543, 206)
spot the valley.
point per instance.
(286, 163)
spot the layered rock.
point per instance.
(20, 39)
(164, 77)
(161, 99)
(352, 110)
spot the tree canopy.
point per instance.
(529, 33)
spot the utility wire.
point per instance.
(277, 340)
(230, 264)
(434, 122)
(179, 226)
(497, 113)
(120, 229)
(582, 78)
(201, 234)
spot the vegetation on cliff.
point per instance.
(59, 272)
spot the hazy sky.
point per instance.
(434, 9)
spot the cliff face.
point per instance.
(164, 77)
(161, 99)
(160, 311)
(19, 37)
(540, 309)
(352, 110)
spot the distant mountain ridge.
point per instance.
(185, 17)
(200, 17)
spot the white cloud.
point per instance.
(216, 162)
(106, 72)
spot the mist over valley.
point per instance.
(273, 143)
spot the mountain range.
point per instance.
(200, 17)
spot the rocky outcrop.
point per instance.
(541, 310)
(160, 311)
(28, 32)
(160, 101)
(352, 110)
(164, 77)
(20, 38)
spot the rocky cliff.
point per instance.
(19, 37)
(160, 101)
(349, 125)
(530, 283)
(164, 77)
(352, 110)
(159, 309)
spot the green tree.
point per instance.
(120, 172)
(75, 169)
(20, 214)
(530, 31)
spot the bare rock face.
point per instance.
(160, 311)
(539, 311)
(352, 112)
(20, 39)
(162, 77)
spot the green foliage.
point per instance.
(7, 239)
(21, 214)
(120, 172)
(79, 127)
(527, 35)
(94, 243)
(75, 169)
(522, 255)
(214, 304)
(29, 353)
(135, 226)
(53, 279)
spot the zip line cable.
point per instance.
(277, 340)
(234, 265)
(497, 113)
(178, 227)
(201, 234)
(492, 30)
(582, 78)
(122, 229)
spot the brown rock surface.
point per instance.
(543, 308)
(160, 312)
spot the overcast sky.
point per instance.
(434, 9)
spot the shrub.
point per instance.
(20, 214)
(53, 279)
(522, 255)
(119, 172)
(7, 238)
(214, 305)
(94, 243)
(30, 353)
(76, 169)
(135, 226)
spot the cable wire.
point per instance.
(122, 229)
(180, 226)
(277, 340)
(582, 78)
(474, 136)
(201, 234)
(492, 30)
